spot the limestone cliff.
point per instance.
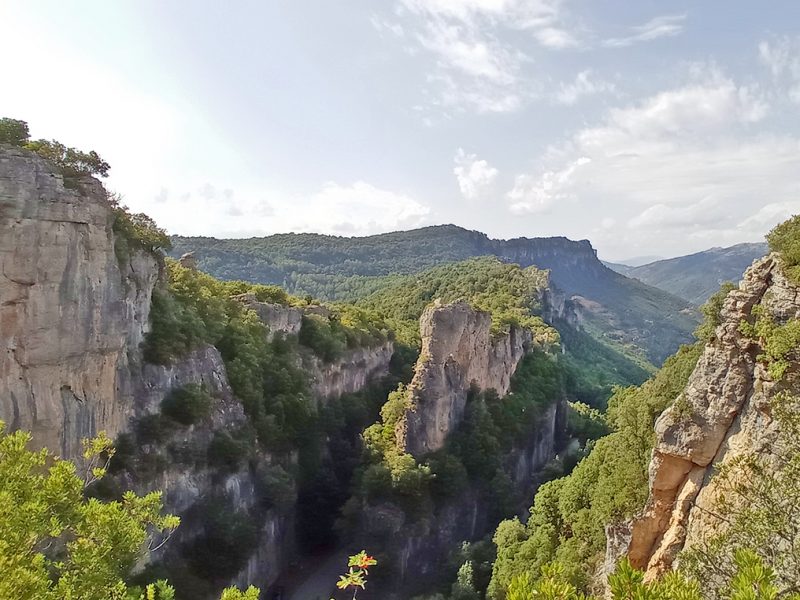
(722, 413)
(351, 373)
(285, 320)
(458, 351)
(70, 312)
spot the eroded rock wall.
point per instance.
(70, 312)
(351, 373)
(722, 413)
(279, 319)
(458, 351)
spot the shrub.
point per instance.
(187, 405)
(449, 477)
(785, 239)
(325, 339)
(376, 482)
(711, 312)
(135, 231)
(151, 429)
(226, 452)
(277, 488)
(270, 293)
(125, 454)
(174, 329)
(228, 538)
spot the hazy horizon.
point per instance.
(650, 128)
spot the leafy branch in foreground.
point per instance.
(56, 543)
(356, 576)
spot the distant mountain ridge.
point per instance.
(697, 276)
(635, 317)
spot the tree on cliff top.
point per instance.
(14, 132)
(785, 239)
(72, 163)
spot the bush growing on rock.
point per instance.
(785, 239)
(187, 405)
(226, 452)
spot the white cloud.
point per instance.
(476, 67)
(585, 84)
(536, 194)
(555, 38)
(385, 26)
(359, 208)
(685, 160)
(365, 208)
(767, 216)
(659, 27)
(782, 57)
(473, 55)
(692, 109)
(474, 176)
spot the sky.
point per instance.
(653, 128)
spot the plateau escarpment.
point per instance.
(622, 312)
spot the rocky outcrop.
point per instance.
(351, 373)
(70, 311)
(278, 318)
(723, 412)
(458, 352)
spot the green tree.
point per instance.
(464, 587)
(785, 239)
(136, 231)
(13, 131)
(55, 543)
(751, 580)
(72, 163)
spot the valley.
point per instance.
(487, 418)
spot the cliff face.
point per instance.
(723, 413)
(351, 373)
(69, 311)
(458, 351)
(286, 320)
(186, 485)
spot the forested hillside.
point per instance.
(643, 322)
(512, 295)
(697, 276)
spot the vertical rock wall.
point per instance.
(69, 311)
(723, 413)
(458, 351)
